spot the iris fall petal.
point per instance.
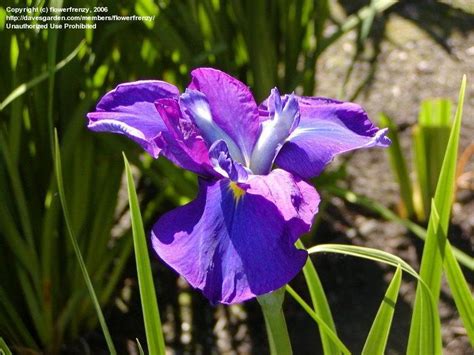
(236, 241)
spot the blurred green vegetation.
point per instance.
(53, 78)
(429, 140)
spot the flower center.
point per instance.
(237, 191)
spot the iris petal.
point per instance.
(196, 106)
(224, 164)
(129, 110)
(232, 105)
(236, 241)
(327, 128)
(182, 143)
(282, 120)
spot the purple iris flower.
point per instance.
(236, 240)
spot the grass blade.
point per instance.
(434, 249)
(77, 251)
(435, 121)
(378, 334)
(445, 188)
(422, 186)
(140, 349)
(365, 253)
(119, 265)
(430, 323)
(355, 20)
(367, 22)
(15, 321)
(399, 166)
(20, 90)
(320, 304)
(420, 340)
(52, 49)
(151, 316)
(430, 138)
(19, 193)
(371, 254)
(460, 291)
(15, 242)
(324, 327)
(4, 350)
(457, 283)
(387, 214)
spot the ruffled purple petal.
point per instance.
(236, 241)
(129, 110)
(181, 142)
(327, 128)
(232, 105)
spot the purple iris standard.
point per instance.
(236, 240)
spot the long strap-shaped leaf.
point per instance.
(399, 165)
(376, 207)
(323, 326)
(365, 253)
(434, 248)
(456, 281)
(77, 250)
(320, 304)
(377, 339)
(20, 90)
(10, 318)
(151, 315)
(354, 20)
(4, 350)
(431, 323)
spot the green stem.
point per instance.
(275, 323)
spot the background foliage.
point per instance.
(53, 78)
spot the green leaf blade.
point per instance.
(4, 349)
(420, 340)
(378, 334)
(21, 89)
(399, 165)
(463, 258)
(75, 245)
(320, 304)
(429, 330)
(460, 291)
(151, 316)
(457, 283)
(324, 327)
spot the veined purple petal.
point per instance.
(195, 104)
(232, 105)
(236, 241)
(129, 110)
(181, 143)
(327, 128)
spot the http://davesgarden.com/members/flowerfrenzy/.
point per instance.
(236, 240)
